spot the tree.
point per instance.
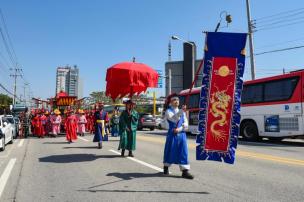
(100, 96)
(5, 100)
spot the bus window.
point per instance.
(280, 90)
(194, 101)
(182, 99)
(252, 94)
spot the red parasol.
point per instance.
(129, 78)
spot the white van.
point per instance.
(6, 132)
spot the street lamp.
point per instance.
(228, 19)
(174, 37)
(179, 39)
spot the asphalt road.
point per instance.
(50, 169)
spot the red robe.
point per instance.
(70, 127)
(35, 124)
(43, 120)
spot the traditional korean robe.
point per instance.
(37, 125)
(81, 124)
(70, 127)
(128, 137)
(115, 125)
(100, 118)
(43, 121)
(176, 148)
(56, 121)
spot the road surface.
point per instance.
(50, 169)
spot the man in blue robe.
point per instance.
(100, 119)
(176, 148)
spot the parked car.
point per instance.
(146, 121)
(158, 120)
(14, 126)
(6, 132)
(164, 124)
(18, 125)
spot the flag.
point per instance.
(220, 98)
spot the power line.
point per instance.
(5, 89)
(8, 36)
(7, 48)
(278, 18)
(280, 43)
(279, 22)
(279, 26)
(278, 14)
(280, 50)
(18, 72)
(4, 59)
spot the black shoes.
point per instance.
(166, 170)
(99, 145)
(122, 152)
(131, 154)
(187, 175)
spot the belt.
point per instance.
(99, 121)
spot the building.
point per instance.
(183, 72)
(67, 80)
(80, 88)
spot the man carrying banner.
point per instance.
(176, 148)
(100, 118)
(128, 122)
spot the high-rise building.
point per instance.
(67, 80)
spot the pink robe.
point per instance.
(56, 121)
(81, 124)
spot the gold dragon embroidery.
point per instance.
(219, 104)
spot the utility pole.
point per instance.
(24, 88)
(169, 51)
(15, 75)
(250, 33)
(154, 103)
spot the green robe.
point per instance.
(128, 138)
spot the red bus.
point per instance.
(272, 107)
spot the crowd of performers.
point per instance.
(123, 124)
(74, 123)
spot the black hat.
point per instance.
(129, 101)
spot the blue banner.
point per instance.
(220, 98)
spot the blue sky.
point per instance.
(95, 34)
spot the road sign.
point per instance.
(160, 78)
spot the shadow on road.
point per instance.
(87, 147)
(130, 176)
(74, 158)
(55, 143)
(145, 191)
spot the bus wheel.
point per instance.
(249, 131)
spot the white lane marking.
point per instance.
(140, 162)
(6, 173)
(83, 139)
(21, 143)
